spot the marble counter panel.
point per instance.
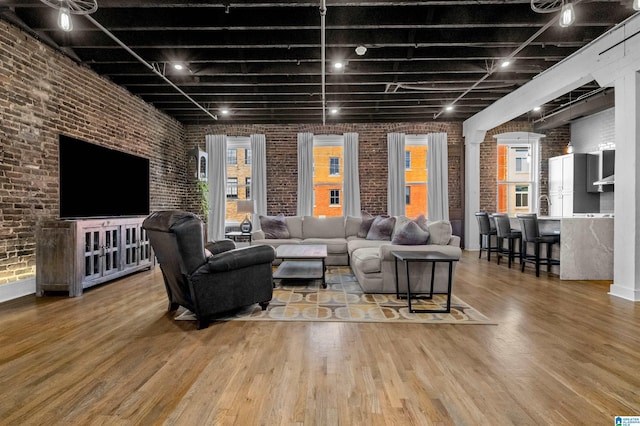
(586, 248)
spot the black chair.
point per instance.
(505, 232)
(531, 235)
(487, 231)
(207, 284)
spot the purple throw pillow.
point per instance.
(410, 234)
(274, 227)
(367, 220)
(381, 228)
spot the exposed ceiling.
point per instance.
(263, 60)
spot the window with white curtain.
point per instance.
(416, 175)
(238, 176)
(328, 177)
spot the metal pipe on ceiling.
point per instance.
(323, 15)
(148, 65)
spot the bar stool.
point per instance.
(486, 232)
(531, 234)
(505, 232)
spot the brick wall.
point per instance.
(282, 165)
(43, 94)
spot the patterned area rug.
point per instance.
(344, 301)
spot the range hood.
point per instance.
(609, 180)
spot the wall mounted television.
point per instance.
(96, 181)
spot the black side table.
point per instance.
(416, 256)
(238, 236)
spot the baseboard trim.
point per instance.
(624, 292)
(16, 289)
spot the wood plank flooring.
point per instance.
(563, 353)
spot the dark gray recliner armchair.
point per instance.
(227, 279)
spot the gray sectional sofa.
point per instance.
(370, 259)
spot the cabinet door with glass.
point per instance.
(136, 248)
(101, 252)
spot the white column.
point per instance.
(472, 141)
(626, 262)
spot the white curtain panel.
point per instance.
(217, 152)
(258, 177)
(351, 199)
(438, 186)
(305, 174)
(396, 182)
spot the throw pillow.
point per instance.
(440, 232)
(410, 234)
(365, 225)
(381, 228)
(274, 227)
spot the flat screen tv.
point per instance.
(99, 182)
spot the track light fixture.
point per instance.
(66, 8)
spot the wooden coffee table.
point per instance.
(301, 262)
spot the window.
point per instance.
(517, 177)
(415, 175)
(232, 187)
(238, 178)
(522, 160)
(334, 197)
(522, 196)
(334, 166)
(232, 156)
(328, 158)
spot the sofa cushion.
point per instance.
(352, 226)
(366, 260)
(274, 227)
(439, 232)
(294, 225)
(411, 234)
(365, 224)
(323, 227)
(334, 245)
(381, 228)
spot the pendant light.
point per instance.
(68, 7)
(567, 15)
(64, 19)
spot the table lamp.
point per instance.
(245, 206)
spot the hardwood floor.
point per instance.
(563, 353)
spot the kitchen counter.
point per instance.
(586, 248)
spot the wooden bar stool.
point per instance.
(505, 232)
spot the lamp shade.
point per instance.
(244, 206)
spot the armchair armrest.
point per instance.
(241, 258)
(216, 247)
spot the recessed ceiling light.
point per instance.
(361, 50)
(449, 108)
(505, 63)
(334, 111)
(338, 65)
(224, 111)
(537, 108)
(178, 67)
